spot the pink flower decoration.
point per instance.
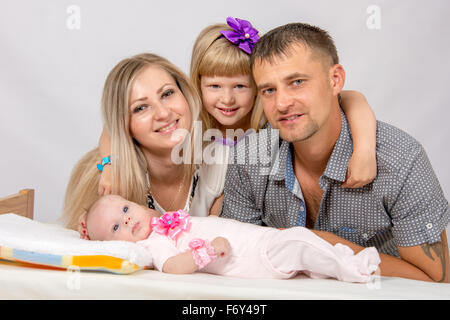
(202, 252)
(197, 244)
(172, 224)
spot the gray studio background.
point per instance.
(54, 60)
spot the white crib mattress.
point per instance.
(20, 282)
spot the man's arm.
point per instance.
(238, 202)
(420, 213)
(391, 266)
(432, 259)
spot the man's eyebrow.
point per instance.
(292, 76)
(296, 75)
(264, 85)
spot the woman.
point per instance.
(145, 99)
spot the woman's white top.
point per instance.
(211, 181)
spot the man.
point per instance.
(403, 212)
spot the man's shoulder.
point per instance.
(389, 132)
(394, 145)
(393, 139)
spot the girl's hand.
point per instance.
(221, 246)
(104, 186)
(362, 169)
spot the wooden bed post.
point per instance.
(21, 203)
(29, 194)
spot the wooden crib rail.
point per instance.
(21, 203)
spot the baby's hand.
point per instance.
(104, 186)
(221, 246)
(362, 169)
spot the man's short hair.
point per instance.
(278, 41)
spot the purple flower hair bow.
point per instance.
(244, 35)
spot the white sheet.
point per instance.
(27, 283)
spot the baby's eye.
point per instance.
(240, 86)
(125, 209)
(115, 228)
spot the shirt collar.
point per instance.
(290, 174)
(278, 170)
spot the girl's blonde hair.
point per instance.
(128, 164)
(214, 55)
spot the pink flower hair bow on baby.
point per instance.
(243, 34)
(172, 223)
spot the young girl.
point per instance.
(220, 70)
(183, 244)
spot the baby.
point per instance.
(180, 243)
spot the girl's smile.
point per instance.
(228, 99)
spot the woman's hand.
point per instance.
(362, 169)
(221, 246)
(105, 185)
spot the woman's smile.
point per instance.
(169, 128)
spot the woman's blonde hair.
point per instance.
(128, 164)
(214, 55)
(82, 189)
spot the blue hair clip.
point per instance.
(105, 161)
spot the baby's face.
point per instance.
(118, 219)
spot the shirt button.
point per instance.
(302, 208)
(365, 236)
(429, 225)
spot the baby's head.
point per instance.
(114, 218)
